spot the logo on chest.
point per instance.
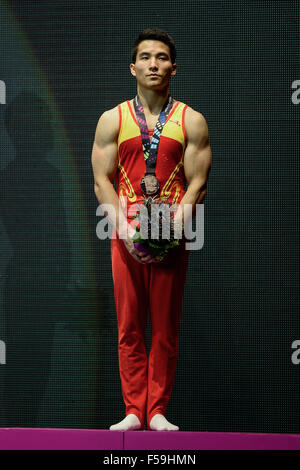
(175, 121)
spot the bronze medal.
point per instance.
(149, 185)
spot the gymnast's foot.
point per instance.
(160, 423)
(130, 423)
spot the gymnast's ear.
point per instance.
(132, 69)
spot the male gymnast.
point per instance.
(178, 153)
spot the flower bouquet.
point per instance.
(155, 232)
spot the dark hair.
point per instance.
(157, 34)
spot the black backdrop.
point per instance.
(63, 64)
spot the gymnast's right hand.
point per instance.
(137, 254)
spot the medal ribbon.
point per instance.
(150, 151)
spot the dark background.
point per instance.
(64, 63)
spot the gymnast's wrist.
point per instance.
(123, 231)
(178, 225)
(126, 231)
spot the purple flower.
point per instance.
(142, 248)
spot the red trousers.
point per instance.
(137, 286)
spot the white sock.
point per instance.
(160, 423)
(130, 423)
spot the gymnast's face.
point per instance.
(153, 57)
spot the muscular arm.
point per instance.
(197, 162)
(105, 163)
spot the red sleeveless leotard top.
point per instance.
(169, 164)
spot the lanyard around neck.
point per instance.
(150, 150)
